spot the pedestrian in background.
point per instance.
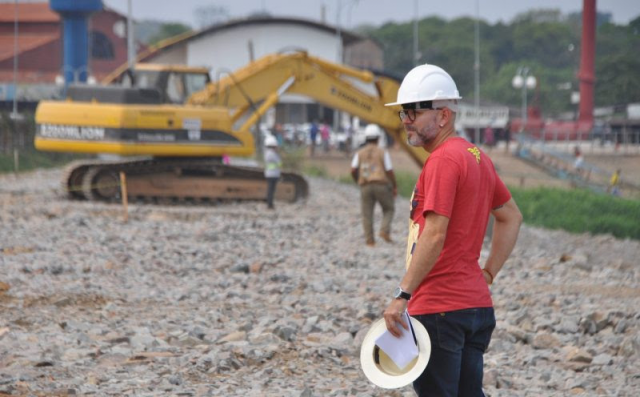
(273, 164)
(371, 168)
(313, 135)
(444, 287)
(614, 183)
(578, 163)
(325, 135)
(489, 137)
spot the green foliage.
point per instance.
(30, 160)
(168, 30)
(13, 133)
(316, 170)
(406, 183)
(292, 158)
(546, 41)
(579, 211)
(346, 179)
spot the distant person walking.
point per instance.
(371, 168)
(273, 164)
(313, 135)
(489, 137)
(578, 163)
(614, 183)
(325, 135)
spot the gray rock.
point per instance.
(107, 308)
(629, 347)
(545, 341)
(285, 333)
(602, 359)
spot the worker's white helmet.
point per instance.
(427, 83)
(270, 141)
(372, 131)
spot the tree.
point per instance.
(543, 40)
(168, 30)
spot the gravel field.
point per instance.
(232, 300)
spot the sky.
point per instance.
(351, 13)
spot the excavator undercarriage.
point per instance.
(168, 181)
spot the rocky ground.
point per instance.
(233, 300)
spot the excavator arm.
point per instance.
(360, 93)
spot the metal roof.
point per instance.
(28, 12)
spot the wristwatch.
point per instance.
(400, 293)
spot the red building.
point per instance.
(39, 48)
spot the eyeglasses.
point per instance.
(410, 114)
(411, 110)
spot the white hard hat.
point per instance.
(270, 140)
(427, 83)
(372, 131)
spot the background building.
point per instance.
(226, 47)
(39, 49)
(221, 48)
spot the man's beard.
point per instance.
(423, 136)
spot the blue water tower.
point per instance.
(74, 15)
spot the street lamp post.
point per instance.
(523, 80)
(14, 114)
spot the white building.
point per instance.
(226, 47)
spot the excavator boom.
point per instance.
(360, 93)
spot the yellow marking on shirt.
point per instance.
(474, 150)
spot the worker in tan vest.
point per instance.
(371, 168)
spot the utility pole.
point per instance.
(416, 56)
(14, 113)
(131, 51)
(476, 73)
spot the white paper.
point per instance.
(402, 350)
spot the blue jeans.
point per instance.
(271, 189)
(458, 341)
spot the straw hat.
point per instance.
(379, 367)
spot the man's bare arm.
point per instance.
(505, 233)
(424, 257)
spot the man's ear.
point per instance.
(445, 116)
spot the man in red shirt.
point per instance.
(444, 286)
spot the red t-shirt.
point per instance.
(458, 181)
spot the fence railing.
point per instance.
(558, 157)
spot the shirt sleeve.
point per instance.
(501, 194)
(355, 162)
(387, 161)
(440, 185)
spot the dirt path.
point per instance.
(512, 170)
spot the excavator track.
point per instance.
(175, 180)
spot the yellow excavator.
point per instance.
(173, 126)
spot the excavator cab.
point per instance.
(146, 84)
(174, 83)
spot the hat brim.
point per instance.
(399, 377)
